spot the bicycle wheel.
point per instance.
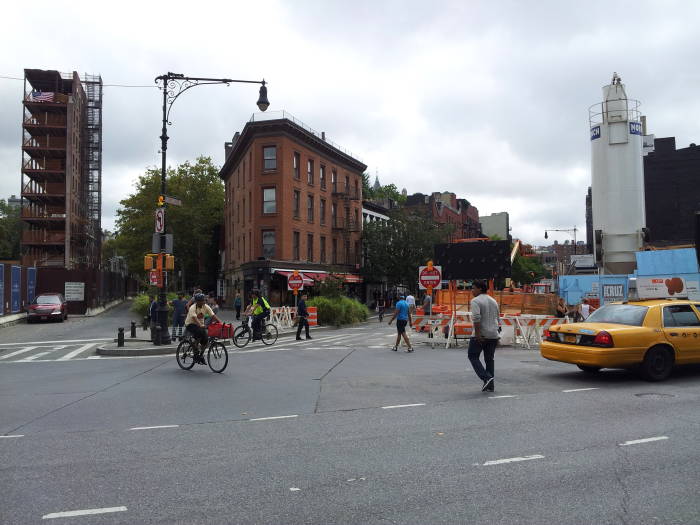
(217, 357)
(269, 335)
(241, 336)
(185, 354)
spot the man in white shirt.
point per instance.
(486, 320)
(411, 301)
(195, 322)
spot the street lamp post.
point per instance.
(173, 85)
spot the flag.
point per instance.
(42, 96)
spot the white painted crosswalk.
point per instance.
(48, 351)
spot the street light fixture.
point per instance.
(173, 85)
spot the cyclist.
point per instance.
(260, 309)
(195, 325)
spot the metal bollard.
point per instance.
(120, 337)
(156, 335)
(133, 328)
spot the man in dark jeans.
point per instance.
(303, 317)
(485, 317)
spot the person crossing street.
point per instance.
(403, 318)
(485, 317)
(303, 317)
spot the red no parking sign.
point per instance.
(295, 281)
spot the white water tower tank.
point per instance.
(617, 184)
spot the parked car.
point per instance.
(47, 306)
(651, 336)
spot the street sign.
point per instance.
(295, 282)
(154, 278)
(160, 220)
(173, 201)
(430, 277)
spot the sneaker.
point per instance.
(308, 337)
(395, 349)
(300, 339)
(488, 385)
(410, 349)
(491, 386)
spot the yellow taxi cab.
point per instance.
(651, 336)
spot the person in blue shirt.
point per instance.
(303, 316)
(403, 317)
(179, 312)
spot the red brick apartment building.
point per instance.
(446, 208)
(61, 169)
(293, 202)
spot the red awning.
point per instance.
(349, 277)
(287, 273)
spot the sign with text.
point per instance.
(155, 278)
(613, 292)
(74, 291)
(430, 277)
(31, 284)
(661, 287)
(295, 282)
(16, 289)
(160, 220)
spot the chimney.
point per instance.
(323, 135)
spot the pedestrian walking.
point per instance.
(427, 304)
(402, 315)
(583, 311)
(381, 306)
(561, 308)
(179, 312)
(411, 301)
(303, 317)
(485, 317)
(237, 303)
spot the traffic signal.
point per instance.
(161, 200)
(169, 262)
(148, 262)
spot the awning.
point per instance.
(351, 278)
(310, 276)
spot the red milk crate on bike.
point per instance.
(222, 331)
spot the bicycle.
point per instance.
(244, 333)
(217, 355)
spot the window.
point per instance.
(680, 315)
(250, 206)
(268, 244)
(322, 211)
(334, 180)
(243, 210)
(310, 171)
(346, 189)
(322, 176)
(310, 247)
(269, 200)
(628, 314)
(310, 208)
(357, 191)
(269, 158)
(296, 161)
(334, 252)
(323, 249)
(295, 203)
(295, 246)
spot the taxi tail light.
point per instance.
(550, 336)
(603, 339)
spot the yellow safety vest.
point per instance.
(258, 308)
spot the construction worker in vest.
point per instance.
(260, 309)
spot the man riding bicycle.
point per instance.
(260, 309)
(194, 323)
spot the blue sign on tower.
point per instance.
(595, 132)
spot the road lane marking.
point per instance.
(645, 440)
(273, 417)
(500, 397)
(57, 342)
(35, 356)
(84, 512)
(513, 460)
(156, 426)
(579, 389)
(18, 352)
(74, 353)
(12, 436)
(405, 406)
(294, 489)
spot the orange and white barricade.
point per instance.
(313, 315)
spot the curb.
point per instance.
(124, 351)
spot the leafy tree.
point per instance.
(194, 224)
(10, 231)
(367, 191)
(527, 270)
(394, 249)
(389, 191)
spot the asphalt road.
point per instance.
(338, 429)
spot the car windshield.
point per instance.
(629, 314)
(47, 299)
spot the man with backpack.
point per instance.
(260, 309)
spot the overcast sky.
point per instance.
(485, 99)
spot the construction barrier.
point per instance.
(313, 315)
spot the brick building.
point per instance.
(446, 208)
(293, 202)
(61, 169)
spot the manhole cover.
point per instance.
(654, 395)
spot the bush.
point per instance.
(141, 304)
(337, 311)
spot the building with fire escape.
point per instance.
(61, 169)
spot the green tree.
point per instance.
(527, 270)
(394, 249)
(367, 191)
(10, 231)
(194, 224)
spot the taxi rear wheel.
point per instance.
(589, 369)
(657, 364)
